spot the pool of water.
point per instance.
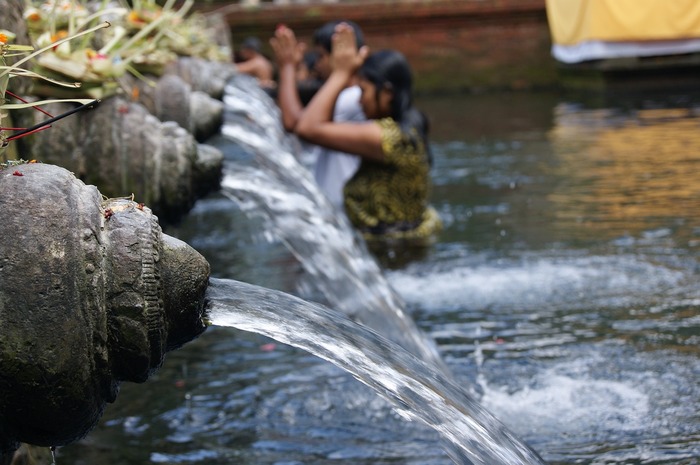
(564, 286)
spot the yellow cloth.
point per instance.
(393, 191)
(430, 225)
(388, 199)
(575, 21)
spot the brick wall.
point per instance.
(451, 44)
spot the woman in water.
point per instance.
(388, 196)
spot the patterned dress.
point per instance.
(390, 197)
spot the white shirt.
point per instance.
(333, 169)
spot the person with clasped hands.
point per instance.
(332, 168)
(388, 196)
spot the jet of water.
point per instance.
(415, 389)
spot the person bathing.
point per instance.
(388, 195)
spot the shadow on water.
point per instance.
(562, 295)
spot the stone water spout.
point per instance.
(170, 98)
(92, 293)
(122, 148)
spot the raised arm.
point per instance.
(316, 122)
(288, 55)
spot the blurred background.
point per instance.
(479, 45)
(564, 285)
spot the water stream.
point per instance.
(417, 390)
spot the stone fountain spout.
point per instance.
(92, 293)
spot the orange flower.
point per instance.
(34, 16)
(93, 55)
(135, 18)
(59, 35)
(3, 38)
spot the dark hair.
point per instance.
(389, 69)
(310, 59)
(323, 36)
(251, 43)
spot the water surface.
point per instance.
(564, 286)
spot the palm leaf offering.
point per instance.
(7, 49)
(79, 50)
(141, 39)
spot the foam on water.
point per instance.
(518, 284)
(564, 405)
(603, 404)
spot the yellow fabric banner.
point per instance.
(575, 21)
